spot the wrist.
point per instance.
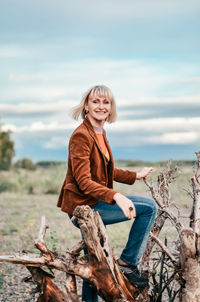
(116, 195)
(138, 177)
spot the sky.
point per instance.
(146, 51)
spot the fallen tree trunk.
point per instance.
(98, 267)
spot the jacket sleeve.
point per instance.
(124, 176)
(80, 148)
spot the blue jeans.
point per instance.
(146, 209)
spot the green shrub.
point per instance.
(6, 150)
(50, 163)
(52, 190)
(6, 186)
(25, 163)
(1, 280)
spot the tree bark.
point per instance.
(190, 266)
(190, 247)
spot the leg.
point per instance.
(89, 293)
(146, 210)
(145, 214)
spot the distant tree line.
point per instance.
(161, 163)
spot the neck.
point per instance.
(96, 123)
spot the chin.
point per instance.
(101, 118)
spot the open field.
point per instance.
(28, 197)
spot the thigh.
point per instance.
(143, 205)
(112, 213)
(109, 213)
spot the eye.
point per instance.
(106, 102)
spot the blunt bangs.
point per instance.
(101, 91)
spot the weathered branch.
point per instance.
(154, 193)
(71, 288)
(175, 221)
(164, 248)
(75, 251)
(39, 242)
(196, 205)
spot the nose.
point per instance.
(101, 105)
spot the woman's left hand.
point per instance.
(144, 173)
(126, 205)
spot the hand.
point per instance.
(144, 173)
(125, 204)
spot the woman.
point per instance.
(89, 181)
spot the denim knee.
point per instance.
(153, 206)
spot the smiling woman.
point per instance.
(89, 181)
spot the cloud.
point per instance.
(126, 107)
(175, 138)
(56, 143)
(156, 124)
(39, 126)
(154, 100)
(133, 81)
(170, 126)
(35, 109)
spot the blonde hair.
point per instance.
(96, 91)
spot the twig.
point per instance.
(39, 242)
(43, 228)
(77, 249)
(174, 220)
(164, 248)
(154, 194)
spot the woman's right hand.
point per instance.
(125, 204)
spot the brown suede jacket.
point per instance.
(89, 179)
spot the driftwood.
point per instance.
(173, 272)
(98, 267)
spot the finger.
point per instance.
(132, 211)
(126, 211)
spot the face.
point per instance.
(98, 108)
